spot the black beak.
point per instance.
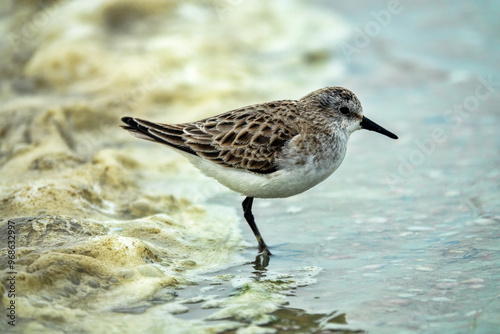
(372, 126)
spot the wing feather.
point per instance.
(248, 138)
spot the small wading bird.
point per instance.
(268, 150)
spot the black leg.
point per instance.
(247, 211)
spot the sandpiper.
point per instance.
(268, 150)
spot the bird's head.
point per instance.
(341, 107)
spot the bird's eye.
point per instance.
(344, 110)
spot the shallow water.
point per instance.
(118, 235)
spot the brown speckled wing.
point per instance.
(248, 138)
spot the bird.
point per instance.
(274, 149)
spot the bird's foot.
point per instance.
(264, 250)
(262, 259)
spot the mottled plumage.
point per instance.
(267, 150)
(248, 138)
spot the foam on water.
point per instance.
(108, 226)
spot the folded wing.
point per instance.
(249, 138)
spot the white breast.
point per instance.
(302, 165)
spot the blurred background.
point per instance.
(114, 234)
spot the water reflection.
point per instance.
(294, 320)
(261, 262)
